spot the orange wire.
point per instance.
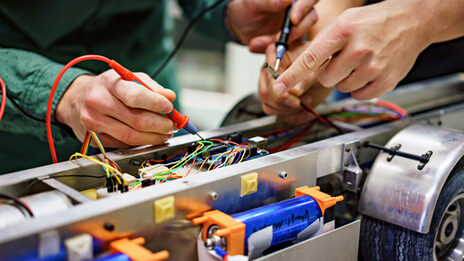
(202, 165)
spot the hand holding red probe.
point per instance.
(123, 113)
(122, 107)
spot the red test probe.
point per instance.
(182, 121)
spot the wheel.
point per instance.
(380, 240)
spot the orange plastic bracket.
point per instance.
(135, 251)
(324, 200)
(233, 230)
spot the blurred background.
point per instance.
(219, 76)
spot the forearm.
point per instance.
(328, 10)
(444, 19)
(28, 78)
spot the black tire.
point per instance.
(380, 240)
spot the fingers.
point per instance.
(169, 94)
(341, 66)
(300, 9)
(375, 89)
(123, 133)
(109, 142)
(260, 43)
(302, 29)
(141, 120)
(331, 40)
(361, 76)
(136, 96)
(274, 6)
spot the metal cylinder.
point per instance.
(41, 204)
(289, 219)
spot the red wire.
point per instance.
(392, 106)
(294, 140)
(3, 104)
(52, 94)
(193, 163)
(227, 141)
(319, 117)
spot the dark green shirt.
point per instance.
(38, 37)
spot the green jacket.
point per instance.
(38, 37)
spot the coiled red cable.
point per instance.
(3, 104)
(48, 119)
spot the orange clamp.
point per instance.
(233, 230)
(324, 200)
(135, 251)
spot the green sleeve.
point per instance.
(212, 23)
(28, 78)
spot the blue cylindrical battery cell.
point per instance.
(288, 218)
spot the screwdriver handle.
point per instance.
(287, 25)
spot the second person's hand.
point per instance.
(366, 51)
(257, 23)
(287, 106)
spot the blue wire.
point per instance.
(220, 251)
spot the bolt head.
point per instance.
(213, 195)
(283, 174)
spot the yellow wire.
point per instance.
(180, 162)
(77, 154)
(243, 155)
(218, 157)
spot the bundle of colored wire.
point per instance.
(389, 105)
(3, 104)
(106, 166)
(85, 147)
(199, 150)
(294, 140)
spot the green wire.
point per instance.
(189, 158)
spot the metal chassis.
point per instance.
(133, 212)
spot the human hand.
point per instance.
(122, 113)
(257, 23)
(365, 51)
(287, 106)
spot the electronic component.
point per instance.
(41, 204)
(151, 171)
(291, 220)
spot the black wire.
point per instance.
(63, 127)
(18, 203)
(26, 190)
(183, 36)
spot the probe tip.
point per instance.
(198, 134)
(277, 64)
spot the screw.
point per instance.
(283, 174)
(347, 149)
(135, 162)
(213, 195)
(108, 226)
(346, 164)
